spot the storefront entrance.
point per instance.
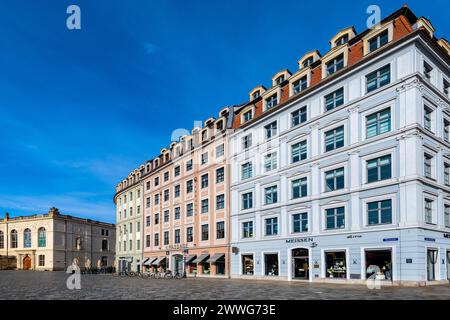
(431, 264)
(178, 264)
(379, 264)
(300, 264)
(448, 264)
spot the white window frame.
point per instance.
(366, 201)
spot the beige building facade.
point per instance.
(52, 242)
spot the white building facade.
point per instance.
(349, 180)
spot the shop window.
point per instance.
(379, 264)
(271, 264)
(336, 266)
(247, 264)
(220, 266)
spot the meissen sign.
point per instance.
(296, 240)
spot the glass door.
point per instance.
(431, 264)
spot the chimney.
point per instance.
(53, 212)
(6, 216)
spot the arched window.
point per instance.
(42, 240)
(2, 240)
(14, 239)
(27, 238)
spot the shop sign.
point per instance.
(297, 240)
(353, 236)
(390, 239)
(447, 235)
(176, 247)
(430, 239)
(408, 260)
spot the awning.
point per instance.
(148, 262)
(215, 257)
(201, 258)
(191, 257)
(158, 261)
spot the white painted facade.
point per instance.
(408, 188)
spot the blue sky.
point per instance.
(81, 109)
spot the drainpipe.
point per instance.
(227, 186)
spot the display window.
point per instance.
(271, 264)
(379, 264)
(336, 264)
(247, 264)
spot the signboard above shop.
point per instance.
(300, 240)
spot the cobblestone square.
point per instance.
(52, 285)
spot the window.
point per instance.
(177, 236)
(299, 116)
(138, 209)
(300, 85)
(131, 211)
(220, 150)
(272, 101)
(446, 174)
(176, 170)
(248, 115)
(125, 199)
(205, 158)
(270, 162)
(166, 176)
(378, 123)
(446, 130)
(189, 186)
(299, 188)
(247, 265)
(334, 139)
(189, 210)
(271, 226)
(147, 185)
(177, 191)
(378, 79)
(270, 130)
(124, 213)
(247, 229)
(334, 180)
(220, 230)
(427, 165)
(280, 80)
(156, 218)
(205, 206)
(429, 211)
(334, 99)
(139, 194)
(300, 222)
(131, 196)
(247, 200)
(2, 240)
(177, 214)
(156, 242)
(220, 201)
(166, 195)
(427, 69)
(247, 170)
(204, 181)
(147, 221)
(156, 181)
(205, 232)
(189, 234)
(271, 195)
(307, 62)
(335, 218)
(247, 141)
(42, 238)
(166, 238)
(131, 245)
(204, 135)
(220, 175)
(427, 113)
(379, 169)
(379, 212)
(104, 245)
(271, 264)
(447, 216)
(341, 40)
(446, 87)
(166, 216)
(189, 165)
(299, 151)
(147, 240)
(27, 238)
(335, 65)
(41, 260)
(256, 95)
(378, 41)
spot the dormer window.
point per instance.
(256, 95)
(219, 125)
(166, 157)
(247, 116)
(308, 61)
(191, 144)
(272, 101)
(280, 79)
(335, 65)
(342, 40)
(300, 85)
(378, 41)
